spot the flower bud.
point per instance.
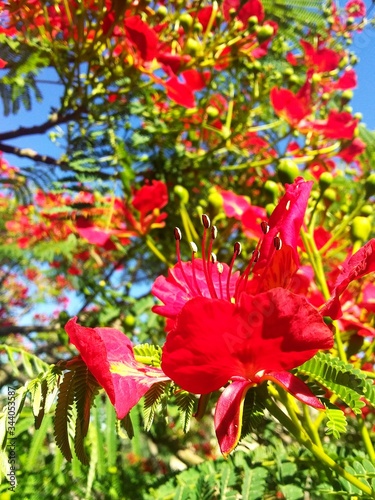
(287, 170)
(264, 32)
(370, 185)
(329, 195)
(212, 112)
(129, 320)
(186, 21)
(182, 193)
(346, 96)
(361, 228)
(193, 47)
(325, 180)
(162, 11)
(367, 210)
(271, 189)
(270, 207)
(215, 199)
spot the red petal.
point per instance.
(180, 92)
(174, 291)
(288, 105)
(234, 205)
(214, 340)
(196, 355)
(109, 356)
(295, 386)
(359, 264)
(142, 36)
(150, 197)
(94, 235)
(228, 415)
(287, 220)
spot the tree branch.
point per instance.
(33, 155)
(55, 119)
(23, 330)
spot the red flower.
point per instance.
(356, 8)
(182, 90)
(339, 125)
(241, 209)
(320, 59)
(292, 107)
(150, 197)
(248, 9)
(141, 37)
(228, 327)
(358, 265)
(109, 356)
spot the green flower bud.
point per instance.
(325, 180)
(367, 210)
(329, 195)
(129, 320)
(346, 96)
(287, 170)
(264, 32)
(361, 228)
(212, 112)
(193, 47)
(252, 21)
(370, 185)
(270, 207)
(271, 189)
(186, 21)
(215, 199)
(162, 11)
(182, 193)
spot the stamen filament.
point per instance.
(178, 236)
(236, 252)
(206, 260)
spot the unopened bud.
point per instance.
(361, 228)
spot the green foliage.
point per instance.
(336, 424)
(345, 381)
(186, 403)
(19, 82)
(154, 399)
(76, 396)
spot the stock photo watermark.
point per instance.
(11, 441)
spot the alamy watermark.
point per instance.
(11, 441)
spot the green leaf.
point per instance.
(186, 403)
(152, 400)
(254, 483)
(348, 383)
(337, 423)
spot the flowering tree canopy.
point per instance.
(188, 256)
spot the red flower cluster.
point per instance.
(227, 329)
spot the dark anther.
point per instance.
(256, 255)
(277, 242)
(237, 248)
(264, 227)
(177, 234)
(206, 221)
(213, 232)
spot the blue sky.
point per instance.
(364, 95)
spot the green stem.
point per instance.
(318, 452)
(367, 440)
(312, 429)
(342, 227)
(151, 245)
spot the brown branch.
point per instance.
(33, 155)
(24, 330)
(54, 120)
